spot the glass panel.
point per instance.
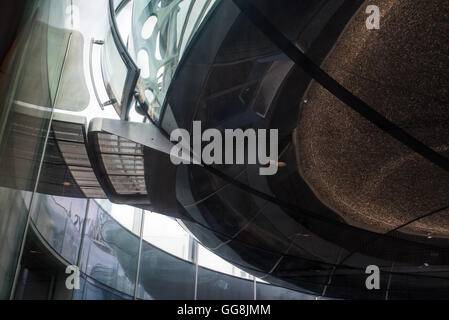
(248, 257)
(127, 216)
(95, 290)
(205, 236)
(213, 285)
(124, 21)
(213, 262)
(42, 273)
(166, 234)
(59, 220)
(12, 223)
(163, 29)
(110, 252)
(58, 33)
(114, 71)
(227, 212)
(27, 92)
(117, 3)
(163, 276)
(270, 292)
(119, 71)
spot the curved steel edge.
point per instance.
(133, 70)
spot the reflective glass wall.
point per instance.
(30, 76)
(110, 251)
(116, 263)
(160, 33)
(40, 233)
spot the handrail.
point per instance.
(91, 72)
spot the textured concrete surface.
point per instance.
(402, 71)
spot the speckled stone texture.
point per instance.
(402, 71)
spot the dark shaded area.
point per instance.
(11, 13)
(278, 227)
(401, 70)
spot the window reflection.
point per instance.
(109, 251)
(211, 261)
(166, 234)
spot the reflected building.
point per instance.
(90, 93)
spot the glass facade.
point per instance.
(161, 32)
(110, 251)
(60, 221)
(78, 191)
(109, 258)
(41, 233)
(31, 79)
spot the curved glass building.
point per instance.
(96, 95)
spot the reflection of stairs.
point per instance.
(117, 172)
(66, 169)
(119, 165)
(70, 139)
